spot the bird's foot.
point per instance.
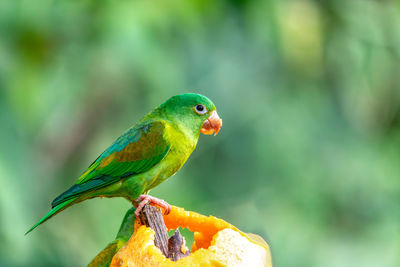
(144, 199)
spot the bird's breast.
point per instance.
(180, 149)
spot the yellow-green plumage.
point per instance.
(144, 156)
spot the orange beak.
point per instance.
(212, 124)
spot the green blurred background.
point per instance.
(309, 92)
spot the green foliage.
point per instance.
(309, 92)
(126, 230)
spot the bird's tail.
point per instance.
(53, 212)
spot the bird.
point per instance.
(145, 155)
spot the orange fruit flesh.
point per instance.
(216, 243)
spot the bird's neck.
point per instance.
(183, 129)
(190, 134)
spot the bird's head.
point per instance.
(194, 111)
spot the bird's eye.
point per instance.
(200, 109)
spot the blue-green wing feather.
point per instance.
(134, 152)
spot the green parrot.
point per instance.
(145, 155)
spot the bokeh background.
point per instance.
(309, 92)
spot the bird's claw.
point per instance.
(144, 199)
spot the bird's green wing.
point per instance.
(134, 152)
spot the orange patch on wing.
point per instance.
(150, 144)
